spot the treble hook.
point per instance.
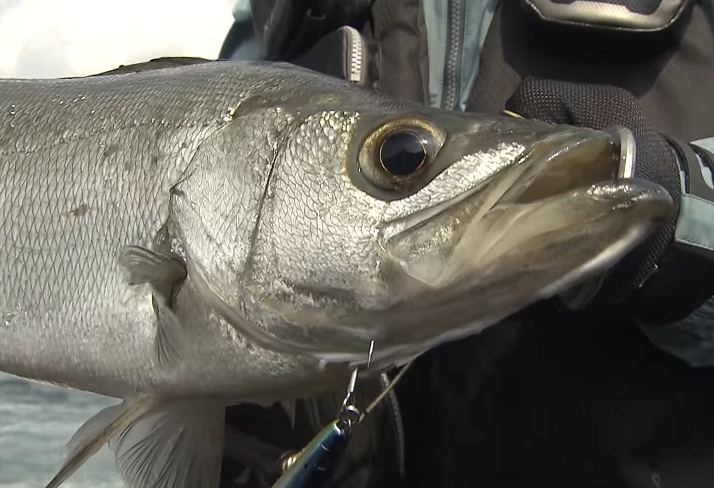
(313, 466)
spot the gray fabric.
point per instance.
(709, 8)
(242, 11)
(435, 13)
(401, 52)
(696, 215)
(247, 51)
(477, 16)
(249, 48)
(692, 339)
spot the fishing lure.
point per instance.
(313, 466)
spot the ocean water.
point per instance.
(36, 421)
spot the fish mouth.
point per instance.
(564, 214)
(572, 164)
(564, 161)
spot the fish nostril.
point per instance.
(590, 162)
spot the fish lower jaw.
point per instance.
(597, 227)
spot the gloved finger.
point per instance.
(601, 107)
(581, 104)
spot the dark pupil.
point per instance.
(402, 153)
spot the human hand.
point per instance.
(602, 107)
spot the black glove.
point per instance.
(601, 107)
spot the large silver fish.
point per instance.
(188, 237)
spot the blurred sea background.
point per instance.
(36, 421)
(50, 39)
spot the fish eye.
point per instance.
(397, 155)
(402, 153)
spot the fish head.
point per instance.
(409, 226)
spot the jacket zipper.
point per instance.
(455, 26)
(355, 55)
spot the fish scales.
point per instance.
(87, 167)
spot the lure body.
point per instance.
(317, 461)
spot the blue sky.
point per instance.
(53, 38)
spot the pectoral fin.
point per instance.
(167, 342)
(96, 432)
(163, 273)
(179, 445)
(147, 266)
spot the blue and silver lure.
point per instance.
(313, 466)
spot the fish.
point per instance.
(187, 238)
